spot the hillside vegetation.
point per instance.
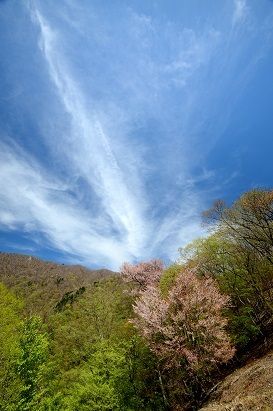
(44, 283)
(149, 337)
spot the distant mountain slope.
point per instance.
(43, 283)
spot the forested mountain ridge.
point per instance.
(42, 282)
(20, 264)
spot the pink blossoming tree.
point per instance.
(185, 328)
(142, 275)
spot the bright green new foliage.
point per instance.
(10, 307)
(33, 345)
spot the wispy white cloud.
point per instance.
(144, 103)
(35, 201)
(123, 199)
(240, 11)
(90, 150)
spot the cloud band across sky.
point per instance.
(108, 142)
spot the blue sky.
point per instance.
(122, 120)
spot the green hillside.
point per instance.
(150, 337)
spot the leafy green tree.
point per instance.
(97, 383)
(10, 312)
(168, 278)
(238, 254)
(248, 225)
(100, 361)
(33, 345)
(249, 221)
